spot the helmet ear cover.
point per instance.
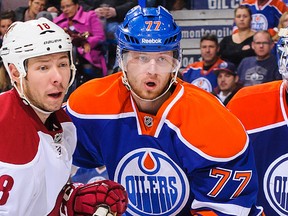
(38, 37)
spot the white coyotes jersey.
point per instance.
(35, 163)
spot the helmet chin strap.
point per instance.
(25, 99)
(27, 102)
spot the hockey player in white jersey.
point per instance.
(37, 136)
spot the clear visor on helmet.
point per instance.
(152, 62)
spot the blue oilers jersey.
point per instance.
(263, 111)
(167, 162)
(84, 175)
(266, 17)
(196, 75)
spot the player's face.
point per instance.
(149, 73)
(4, 24)
(47, 80)
(209, 51)
(262, 45)
(226, 81)
(242, 18)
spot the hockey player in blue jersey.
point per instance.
(263, 111)
(174, 147)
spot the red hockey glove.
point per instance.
(80, 200)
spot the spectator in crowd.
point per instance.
(227, 80)
(30, 12)
(265, 14)
(88, 36)
(283, 23)
(111, 13)
(149, 128)
(262, 67)
(170, 5)
(6, 19)
(53, 6)
(5, 83)
(201, 73)
(262, 109)
(37, 136)
(235, 47)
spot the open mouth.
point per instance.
(55, 95)
(150, 84)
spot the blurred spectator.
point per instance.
(262, 67)
(283, 23)
(53, 6)
(266, 14)
(170, 5)
(111, 13)
(5, 83)
(227, 80)
(88, 35)
(175, 4)
(30, 12)
(237, 46)
(6, 19)
(201, 73)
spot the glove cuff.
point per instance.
(70, 189)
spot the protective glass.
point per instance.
(152, 62)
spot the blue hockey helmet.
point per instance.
(148, 30)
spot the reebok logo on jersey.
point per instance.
(154, 183)
(151, 41)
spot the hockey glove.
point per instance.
(80, 199)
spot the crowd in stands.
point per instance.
(92, 25)
(247, 57)
(250, 49)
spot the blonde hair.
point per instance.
(280, 25)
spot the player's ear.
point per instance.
(15, 75)
(236, 78)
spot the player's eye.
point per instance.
(64, 64)
(143, 59)
(43, 67)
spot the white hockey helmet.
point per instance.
(24, 40)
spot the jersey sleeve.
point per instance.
(87, 154)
